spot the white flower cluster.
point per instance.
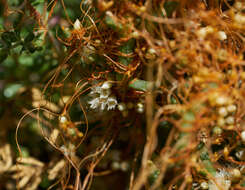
(203, 32)
(102, 97)
(222, 181)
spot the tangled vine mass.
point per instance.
(122, 94)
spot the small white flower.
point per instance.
(243, 136)
(103, 104)
(230, 120)
(140, 107)
(121, 107)
(111, 102)
(223, 111)
(63, 119)
(238, 5)
(235, 173)
(102, 97)
(140, 110)
(203, 32)
(77, 25)
(222, 35)
(204, 185)
(239, 18)
(95, 90)
(135, 34)
(221, 121)
(231, 108)
(115, 165)
(94, 103)
(104, 93)
(64, 150)
(152, 51)
(106, 85)
(221, 100)
(240, 153)
(124, 166)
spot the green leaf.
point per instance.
(9, 63)
(125, 60)
(9, 37)
(37, 2)
(24, 152)
(141, 85)
(173, 100)
(165, 124)
(202, 173)
(29, 37)
(197, 107)
(210, 86)
(209, 167)
(2, 75)
(112, 23)
(153, 176)
(186, 125)
(204, 155)
(183, 141)
(3, 55)
(26, 60)
(189, 116)
(14, 2)
(45, 183)
(170, 7)
(119, 76)
(243, 183)
(200, 146)
(1, 44)
(128, 47)
(31, 48)
(11, 90)
(2, 109)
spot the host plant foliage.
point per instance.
(122, 94)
